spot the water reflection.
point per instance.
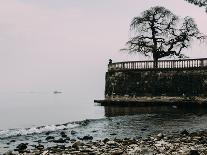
(111, 111)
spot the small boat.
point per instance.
(57, 92)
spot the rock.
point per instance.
(85, 122)
(88, 137)
(160, 136)
(143, 129)
(203, 141)
(76, 145)
(12, 141)
(112, 143)
(40, 147)
(194, 152)
(67, 138)
(79, 138)
(105, 140)
(45, 153)
(47, 133)
(49, 138)
(117, 152)
(73, 140)
(22, 147)
(62, 147)
(94, 131)
(73, 132)
(184, 132)
(60, 140)
(63, 134)
(112, 134)
(8, 153)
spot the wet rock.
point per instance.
(21, 147)
(62, 147)
(76, 145)
(67, 138)
(184, 132)
(117, 152)
(8, 153)
(47, 133)
(105, 140)
(12, 141)
(49, 138)
(73, 132)
(85, 122)
(63, 134)
(112, 143)
(38, 141)
(73, 140)
(194, 152)
(143, 129)
(40, 147)
(45, 152)
(79, 138)
(88, 137)
(203, 141)
(60, 140)
(94, 131)
(160, 136)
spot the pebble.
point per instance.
(160, 144)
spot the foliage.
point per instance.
(160, 33)
(200, 3)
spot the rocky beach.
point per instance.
(175, 132)
(183, 143)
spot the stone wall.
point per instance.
(156, 83)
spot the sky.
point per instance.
(48, 45)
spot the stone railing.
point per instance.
(162, 64)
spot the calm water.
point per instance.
(26, 117)
(27, 109)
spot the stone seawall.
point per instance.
(160, 82)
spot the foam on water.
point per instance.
(35, 130)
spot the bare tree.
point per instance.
(160, 33)
(200, 3)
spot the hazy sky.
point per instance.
(48, 45)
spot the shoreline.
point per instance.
(153, 101)
(183, 143)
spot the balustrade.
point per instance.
(162, 64)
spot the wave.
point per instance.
(36, 130)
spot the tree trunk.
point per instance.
(155, 58)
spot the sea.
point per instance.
(26, 117)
